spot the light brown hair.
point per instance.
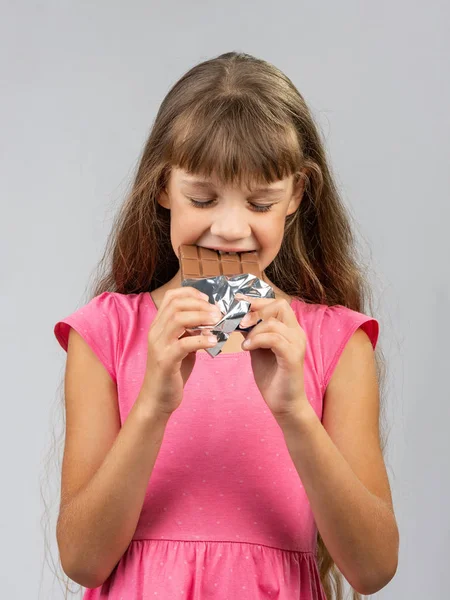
(242, 120)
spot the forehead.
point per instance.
(181, 177)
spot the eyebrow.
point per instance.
(207, 185)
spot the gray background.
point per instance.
(80, 85)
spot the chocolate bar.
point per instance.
(199, 263)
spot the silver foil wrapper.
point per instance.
(221, 291)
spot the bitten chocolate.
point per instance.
(197, 263)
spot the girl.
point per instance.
(257, 473)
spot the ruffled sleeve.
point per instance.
(98, 323)
(338, 324)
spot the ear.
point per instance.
(297, 192)
(163, 198)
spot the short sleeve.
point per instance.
(98, 323)
(338, 324)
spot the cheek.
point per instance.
(182, 220)
(186, 227)
(272, 233)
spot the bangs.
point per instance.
(236, 141)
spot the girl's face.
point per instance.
(229, 219)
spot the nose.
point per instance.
(231, 225)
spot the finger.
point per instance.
(272, 341)
(253, 315)
(182, 292)
(188, 319)
(185, 345)
(272, 325)
(172, 316)
(264, 308)
(190, 343)
(165, 318)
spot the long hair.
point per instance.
(242, 120)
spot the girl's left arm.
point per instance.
(341, 467)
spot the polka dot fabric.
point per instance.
(97, 323)
(225, 514)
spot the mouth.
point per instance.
(231, 251)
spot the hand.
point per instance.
(171, 355)
(277, 348)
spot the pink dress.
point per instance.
(225, 514)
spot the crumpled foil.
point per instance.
(221, 291)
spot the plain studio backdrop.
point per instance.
(80, 86)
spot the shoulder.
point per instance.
(101, 320)
(126, 305)
(338, 325)
(91, 316)
(131, 313)
(355, 363)
(342, 320)
(107, 322)
(328, 330)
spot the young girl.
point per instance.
(252, 474)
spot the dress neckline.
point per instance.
(204, 354)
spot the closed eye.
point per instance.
(207, 203)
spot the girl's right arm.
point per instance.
(96, 525)
(106, 468)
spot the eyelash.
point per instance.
(255, 207)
